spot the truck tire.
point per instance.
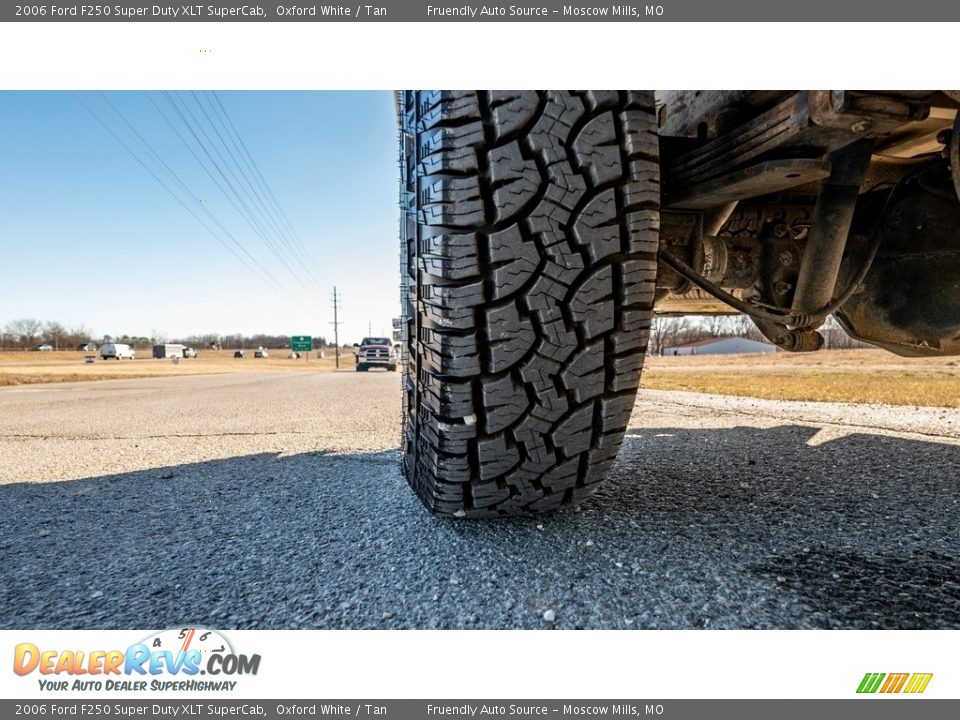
(530, 232)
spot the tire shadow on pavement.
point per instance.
(695, 528)
(859, 531)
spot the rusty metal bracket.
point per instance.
(863, 113)
(806, 125)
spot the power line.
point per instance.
(262, 179)
(249, 215)
(226, 193)
(258, 193)
(253, 195)
(220, 112)
(152, 173)
(187, 191)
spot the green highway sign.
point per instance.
(301, 342)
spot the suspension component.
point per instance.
(832, 217)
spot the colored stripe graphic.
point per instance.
(918, 682)
(894, 683)
(870, 682)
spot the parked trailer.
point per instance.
(168, 350)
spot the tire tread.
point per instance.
(533, 268)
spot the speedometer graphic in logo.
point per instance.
(182, 640)
(190, 651)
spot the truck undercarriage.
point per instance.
(807, 204)
(542, 230)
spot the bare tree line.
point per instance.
(668, 331)
(26, 333)
(665, 332)
(29, 333)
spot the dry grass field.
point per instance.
(19, 368)
(862, 376)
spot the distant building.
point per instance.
(720, 346)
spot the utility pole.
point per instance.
(336, 327)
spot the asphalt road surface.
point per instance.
(276, 501)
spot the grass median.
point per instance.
(850, 376)
(27, 368)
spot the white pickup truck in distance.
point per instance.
(376, 352)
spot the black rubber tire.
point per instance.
(531, 232)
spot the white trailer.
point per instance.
(168, 350)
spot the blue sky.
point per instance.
(89, 237)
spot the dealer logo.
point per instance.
(184, 653)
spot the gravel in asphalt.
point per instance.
(277, 501)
